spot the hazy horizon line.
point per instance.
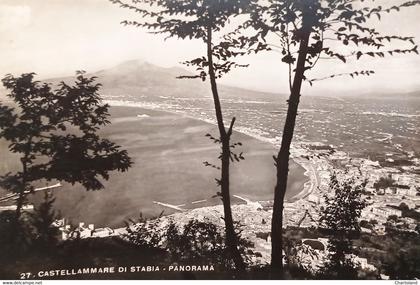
(387, 92)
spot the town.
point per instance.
(393, 197)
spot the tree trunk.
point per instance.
(21, 198)
(19, 205)
(282, 160)
(17, 230)
(231, 237)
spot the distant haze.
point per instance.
(54, 38)
(137, 80)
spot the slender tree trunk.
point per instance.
(231, 237)
(19, 204)
(282, 161)
(17, 230)
(21, 197)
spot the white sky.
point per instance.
(56, 37)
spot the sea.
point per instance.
(384, 129)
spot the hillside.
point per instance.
(139, 80)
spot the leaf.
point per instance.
(289, 59)
(341, 57)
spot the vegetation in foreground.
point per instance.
(163, 243)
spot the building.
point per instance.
(313, 199)
(404, 179)
(385, 212)
(29, 207)
(391, 191)
(411, 192)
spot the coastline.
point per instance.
(309, 185)
(310, 173)
(168, 150)
(176, 151)
(254, 215)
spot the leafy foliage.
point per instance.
(395, 254)
(402, 264)
(351, 74)
(32, 233)
(308, 31)
(203, 20)
(234, 156)
(295, 252)
(384, 182)
(196, 241)
(195, 19)
(334, 26)
(340, 219)
(45, 233)
(16, 236)
(144, 232)
(55, 134)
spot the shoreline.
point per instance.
(242, 210)
(308, 186)
(311, 183)
(300, 185)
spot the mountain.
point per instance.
(412, 94)
(140, 80)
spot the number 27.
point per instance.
(25, 275)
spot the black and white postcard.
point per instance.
(209, 139)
